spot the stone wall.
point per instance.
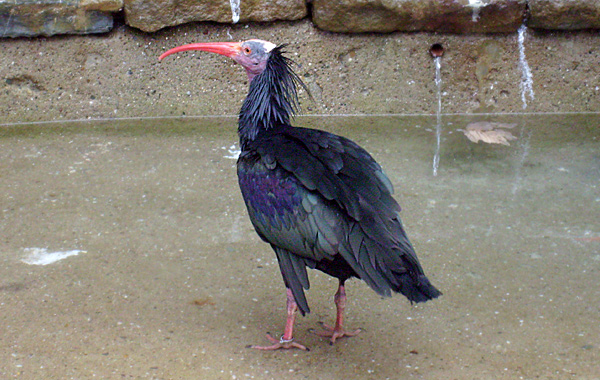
(49, 17)
(27, 18)
(118, 74)
(452, 16)
(152, 15)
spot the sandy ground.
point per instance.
(118, 75)
(172, 282)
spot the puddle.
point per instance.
(174, 283)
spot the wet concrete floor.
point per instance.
(166, 278)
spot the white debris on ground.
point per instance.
(41, 256)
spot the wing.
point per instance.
(337, 169)
(301, 230)
(312, 195)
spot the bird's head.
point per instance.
(251, 54)
(272, 97)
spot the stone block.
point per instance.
(152, 15)
(27, 18)
(564, 14)
(450, 16)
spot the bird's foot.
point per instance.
(280, 344)
(335, 332)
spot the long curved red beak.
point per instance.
(228, 49)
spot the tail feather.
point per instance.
(417, 289)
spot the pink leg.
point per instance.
(287, 340)
(338, 330)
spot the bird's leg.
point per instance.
(338, 330)
(287, 340)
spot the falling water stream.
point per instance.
(526, 77)
(438, 127)
(526, 91)
(235, 10)
(475, 5)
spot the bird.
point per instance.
(320, 200)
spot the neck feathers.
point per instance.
(272, 99)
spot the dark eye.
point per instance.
(247, 50)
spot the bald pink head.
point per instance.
(251, 54)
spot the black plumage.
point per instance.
(320, 200)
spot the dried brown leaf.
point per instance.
(489, 132)
(203, 301)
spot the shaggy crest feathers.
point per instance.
(273, 97)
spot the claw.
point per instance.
(287, 339)
(338, 330)
(335, 332)
(280, 344)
